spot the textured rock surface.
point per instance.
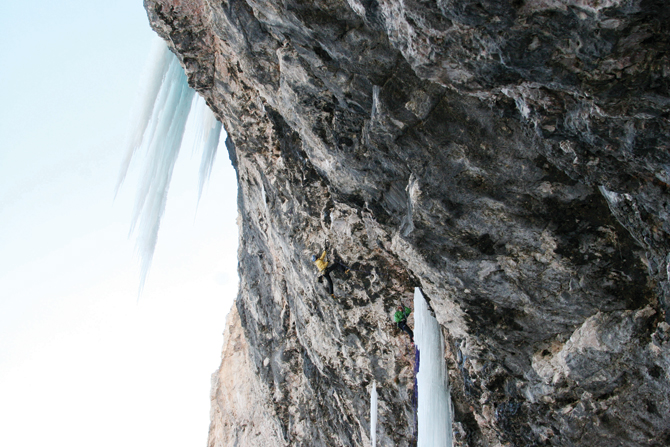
(240, 414)
(510, 158)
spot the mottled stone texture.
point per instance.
(510, 158)
(239, 414)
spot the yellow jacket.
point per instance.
(321, 262)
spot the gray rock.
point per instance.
(510, 158)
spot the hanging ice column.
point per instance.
(434, 409)
(159, 126)
(373, 414)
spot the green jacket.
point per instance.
(402, 314)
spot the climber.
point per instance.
(400, 318)
(325, 268)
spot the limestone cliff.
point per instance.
(508, 157)
(239, 414)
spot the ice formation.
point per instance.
(373, 414)
(207, 138)
(434, 407)
(159, 126)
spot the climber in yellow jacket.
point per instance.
(325, 268)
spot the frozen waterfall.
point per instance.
(434, 407)
(158, 130)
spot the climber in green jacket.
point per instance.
(400, 318)
(325, 268)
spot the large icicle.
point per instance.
(434, 409)
(163, 141)
(373, 414)
(151, 82)
(159, 127)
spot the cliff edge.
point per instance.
(510, 158)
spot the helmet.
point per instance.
(313, 258)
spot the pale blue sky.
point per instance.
(82, 362)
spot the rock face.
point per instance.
(510, 158)
(239, 414)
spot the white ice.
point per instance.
(373, 414)
(434, 408)
(209, 133)
(158, 131)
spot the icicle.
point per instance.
(159, 125)
(373, 414)
(209, 134)
(152, 79)
(164, 141)
(434, 408)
